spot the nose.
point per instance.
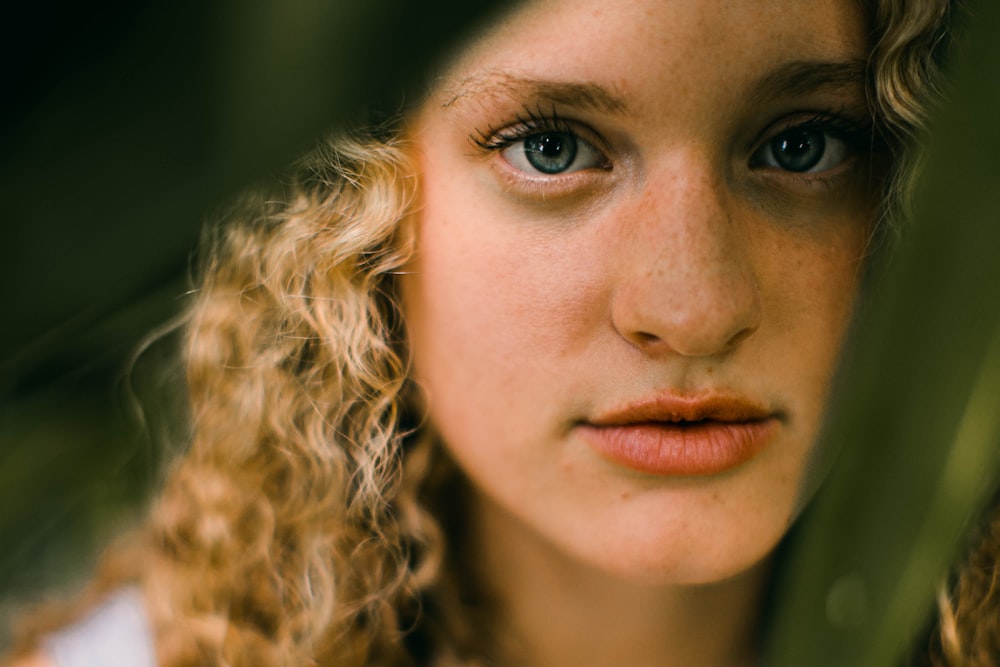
(687, 282)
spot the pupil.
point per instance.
(799, 150)
(551, 145)
(552, 152)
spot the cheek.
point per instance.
(495, 306)
(495, 288)
(814, 288)
(829, 279)
(490, 270)
(812, 276)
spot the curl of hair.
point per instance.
(968, 629)
(280, 536)
(906, 84)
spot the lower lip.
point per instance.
(692, 449)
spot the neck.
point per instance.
(553, 610)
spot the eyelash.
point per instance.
(523, 125)
(530, 122)
(857, 136)
(837, 124)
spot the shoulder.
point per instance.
(114, 634)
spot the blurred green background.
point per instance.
(126, 125)
(916, 421)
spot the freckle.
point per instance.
(626, 495)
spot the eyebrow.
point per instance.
(581, 95)
(790, 79)
(806, 76)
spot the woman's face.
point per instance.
(641, 232)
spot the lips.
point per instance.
(682, 435)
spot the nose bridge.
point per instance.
(689, 285)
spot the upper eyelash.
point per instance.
(523, 125)
(530, 121)
(855, 133)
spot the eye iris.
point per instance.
(799, 150)
(551, 152)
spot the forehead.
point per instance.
(640, 49)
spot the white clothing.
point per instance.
(116, 634)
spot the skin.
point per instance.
(672, 260)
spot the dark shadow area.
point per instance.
(124, 126)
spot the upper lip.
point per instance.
(678, 408)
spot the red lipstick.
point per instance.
(675, 435)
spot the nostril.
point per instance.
(687, 334)
(740, 336)
(648, 343)
(644, 339)
(692, 304)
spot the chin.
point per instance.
(672, 550)
(686, 569)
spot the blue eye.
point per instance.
(802, 149)
(552, 153)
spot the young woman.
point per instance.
(534, 376)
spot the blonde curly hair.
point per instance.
(304, 524)
(906, 84)
(295, 529)
(280, 528)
